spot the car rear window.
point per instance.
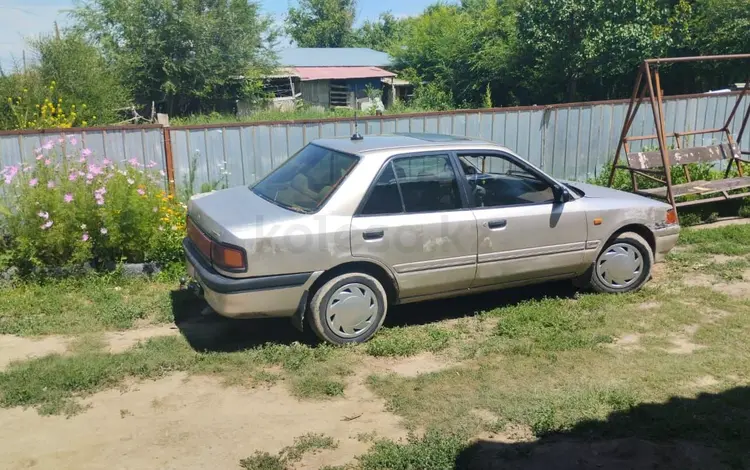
(305, 181)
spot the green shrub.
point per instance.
(434, 451)
(66, 210)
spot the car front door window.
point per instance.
(497, 181)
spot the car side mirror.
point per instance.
(562, 194)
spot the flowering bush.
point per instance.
(52, 112)
(69, 209)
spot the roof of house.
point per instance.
(340, 73)
(333, 57)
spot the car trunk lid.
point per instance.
(235, 215)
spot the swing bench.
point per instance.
(657, 165)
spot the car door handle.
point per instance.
(497, 224)
(373, 234)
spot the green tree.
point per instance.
(321, 23)
(461, 49)
(722, 26)
(81, 75)
(381, 34)
(188, 54)
(584, 49)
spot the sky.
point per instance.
(27, 18)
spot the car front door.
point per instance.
(524, 230)
(415, 220)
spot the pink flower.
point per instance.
(82, 160)
(68, 198)
(46, 225)
(73, 141)
(134, 162)
(47, 162)
(80, 173)
(141, 192)
(86, 153)
(85, 237)
(151, 164)
(61, 140)
(39, 157)
(103, 230)
(106, 162)
(26, 169)
(99, 201)
(89, 176)
(48, 145)
(161, 172)
(130, 181)
(43, 215)
(33, 182)
(95, 169)
(50, 184)
(9, 172)
(73, 176)
(101, 191)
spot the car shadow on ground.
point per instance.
(710, 431)
(207, 331)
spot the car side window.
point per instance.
(428, 183)
(497, 181)
(385, 197)
(416, 184)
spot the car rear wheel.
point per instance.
(349, 308)
(624, 265)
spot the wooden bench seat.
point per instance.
(700, 187)
(650, 164)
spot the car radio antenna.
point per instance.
(356, 135)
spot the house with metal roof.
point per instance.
(332, 77)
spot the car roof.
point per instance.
(374, 143)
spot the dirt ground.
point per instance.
(189, 423)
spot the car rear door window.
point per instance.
(385, 197)
(416, 184)
(428, 183)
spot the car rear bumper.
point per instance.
(666, 239)
(256, 297)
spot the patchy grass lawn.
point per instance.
(670, 363)
(84, 305)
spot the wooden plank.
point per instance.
(643, 160)
(701, 187)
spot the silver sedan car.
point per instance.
(346, 228)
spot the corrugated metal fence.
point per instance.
(572, 141)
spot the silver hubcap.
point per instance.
(619, 266)
(351, 310)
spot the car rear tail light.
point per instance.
(199, 238)
(228, 258)
(224, 257)
(671, 218)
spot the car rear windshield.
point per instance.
(305, 181)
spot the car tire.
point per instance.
(349, 308)
(624, 265)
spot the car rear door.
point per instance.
(524, 233)
(415, 220)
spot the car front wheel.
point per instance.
(349, 308)
(624, 265)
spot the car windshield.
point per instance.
(304, 182)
